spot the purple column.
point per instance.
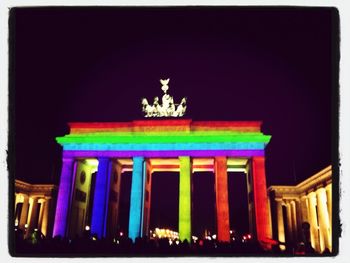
(64, 197)
(101, 197)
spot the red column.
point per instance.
(263, 227)
(222, 207)
(147, 205)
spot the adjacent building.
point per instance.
(308, 202)
(34, 207)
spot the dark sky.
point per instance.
(95, 64)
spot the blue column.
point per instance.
(136, 198)
(101, 197)
(64, 197)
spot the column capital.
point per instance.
(67, 159)
(35, 198)
(303, 197)
(279, 200)
(320, 190)
(311, 194)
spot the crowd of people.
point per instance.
(38, 245)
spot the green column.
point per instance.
(185, 199)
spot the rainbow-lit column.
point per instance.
(114, 200)
(147, 200)
(262, 223)
(222, 207)
(101, 198)
(64, 197)
(137, 198)
(185, 199)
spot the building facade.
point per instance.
(308, 202)
(96, 154)
(34, 207)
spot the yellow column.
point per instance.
(17, 197)
(289, 222)
(329, 207)
(313, 221)
(280, 224)
(45, 218)
(24, 213)
(304, 209)
(294, 220)
(323, 219)
(33, 219)
(299, 219)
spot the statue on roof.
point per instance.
(168, 107)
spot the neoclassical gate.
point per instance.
(106, 150)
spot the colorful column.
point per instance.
(185, 199)
(221, 192)
(64, 197)
(114, 200)
(101, 197)
(147, 202)
(263, 227)
(250, 198)
(136, 199)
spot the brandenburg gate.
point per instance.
(106, 150)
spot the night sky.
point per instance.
(95, 65)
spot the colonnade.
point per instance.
(140, 203)
(32, 212)
(309, 202)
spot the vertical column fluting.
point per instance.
(323, 219)
(304, 209)
(185, 199)
(222, 206)
(289, 222)
(33, 215)
(45, 217)
(136, 199)
(299, 219)
(294, 221)
(64, 197)
(101, 198)
(313, 221)
(280, 223)
(263, 228)
(24, 213)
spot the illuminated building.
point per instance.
(34, 206)
(165, 233)
(99, 153)
(311, 202)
